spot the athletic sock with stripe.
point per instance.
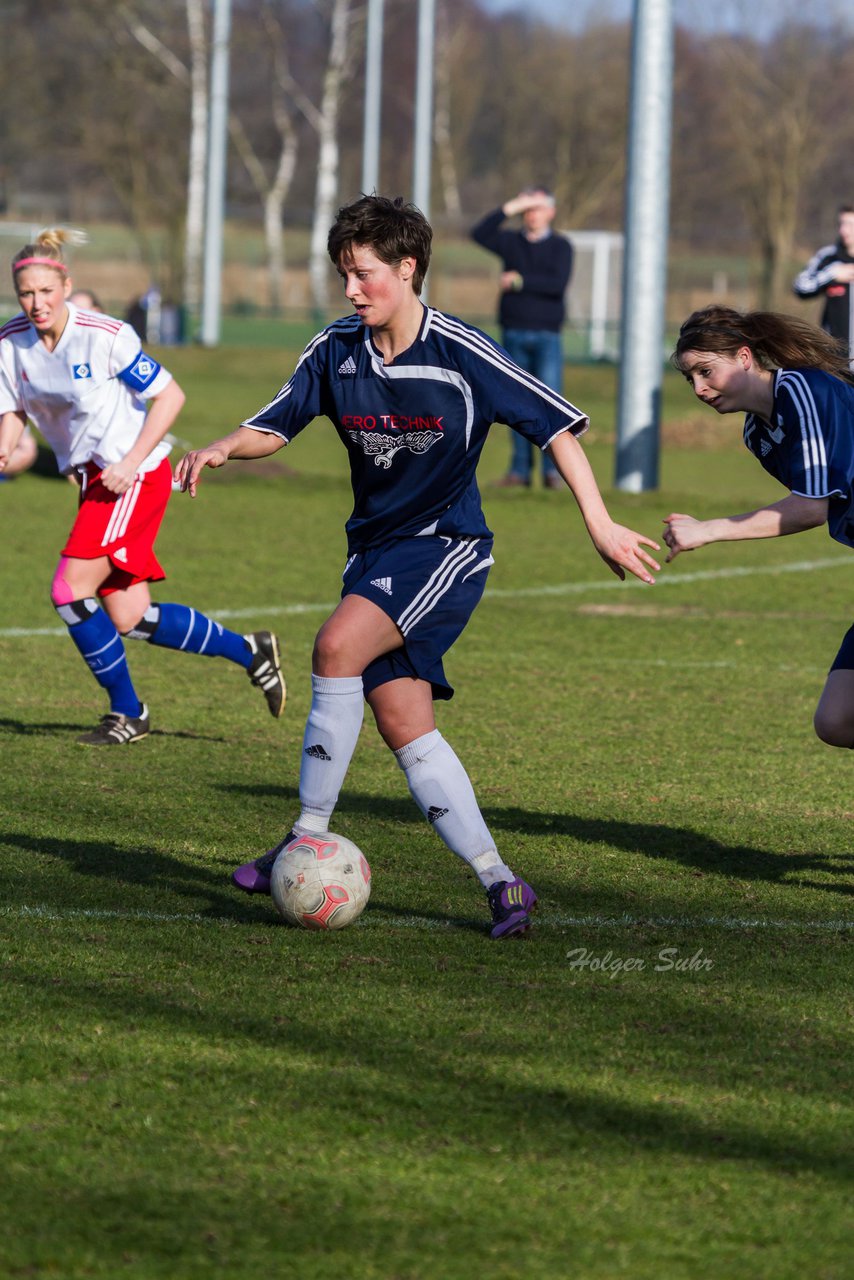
(177, 626)
(101, 647)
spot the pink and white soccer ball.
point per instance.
(321, 882)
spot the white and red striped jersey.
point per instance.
(87, 396)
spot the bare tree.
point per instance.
(535, 104)
(195, 78)
(149, 182)
(272, 190)
(327, 161)
(769, 97)
(762, 127)
(442, 135)
(197, 168)
(587, 122)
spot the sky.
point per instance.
(564, 13)
(726, 15)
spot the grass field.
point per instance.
(653, 1085)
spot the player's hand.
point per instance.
(622, 549)
(683, 533)
(189, 469)
(523, 201)
(117, 477)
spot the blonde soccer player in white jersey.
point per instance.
(104, 406)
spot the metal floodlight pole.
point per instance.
(373, 98)
(423, 140)
(215, 186)
(645, 261)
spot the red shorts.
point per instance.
(121, 526)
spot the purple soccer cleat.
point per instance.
(511, 902)
(254, 877)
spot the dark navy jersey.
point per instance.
(809, 444)
(414, 429)
(818, 276)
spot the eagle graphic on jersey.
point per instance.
(382, 447)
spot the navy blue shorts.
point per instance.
(844, 660)
(429, 586)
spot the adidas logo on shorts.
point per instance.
(384, 584)
(348, 367)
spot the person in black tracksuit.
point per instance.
(830, 271)
(537, 265)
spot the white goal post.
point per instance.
(594, 296)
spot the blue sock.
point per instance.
(101, 647)
(176, 626)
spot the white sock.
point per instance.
(441, 788)
(331, 734)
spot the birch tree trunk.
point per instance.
(273, 194)
(274, 203)
(327, 163)
(196, 77)
(442, 116)
(195, 228)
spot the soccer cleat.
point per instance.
(511, 902)
(265, 670)
(115, 730)
(254, 877)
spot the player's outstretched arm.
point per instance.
(792, 514)
(242, 443)
(619, 547)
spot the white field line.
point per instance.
(527, 593)
(732, 924)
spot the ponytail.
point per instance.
(46, 249)
(777, 341)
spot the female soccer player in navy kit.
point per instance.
(83, 379)
(793, 382)
(412, 393)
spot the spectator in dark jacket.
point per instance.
(536, 265)
(830, 272)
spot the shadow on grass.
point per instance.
(32, 730)
(683, 845)
(27, 729)
(113, 865)
(651, 840)
(477, 1103)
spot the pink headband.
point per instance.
(39, 262)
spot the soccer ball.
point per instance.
(321, 882)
